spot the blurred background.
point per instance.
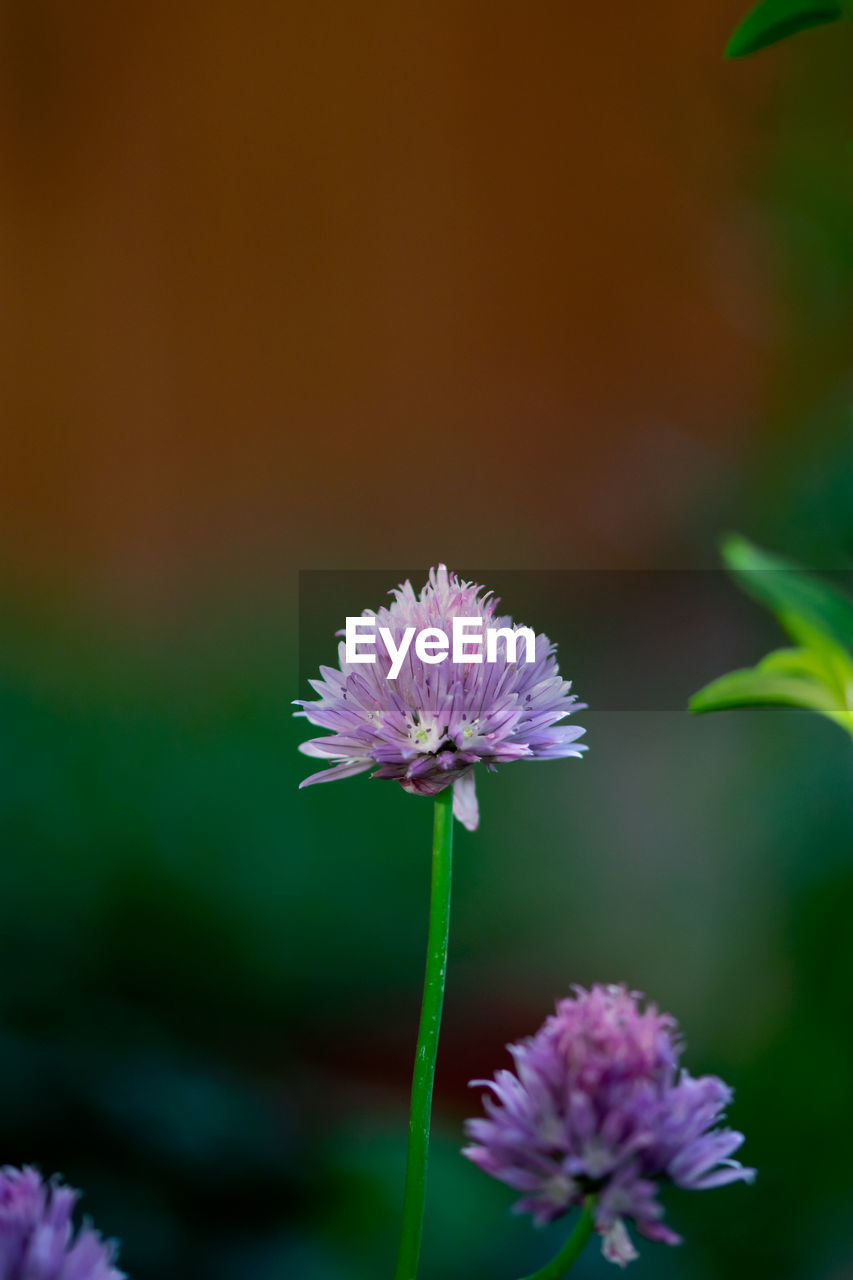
(298, 287)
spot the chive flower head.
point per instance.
(37, 1236)
(427, 721)
(597, 1104)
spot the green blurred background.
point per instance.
(291, 287)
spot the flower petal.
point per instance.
(465, 807)
(348, 770)
(616, 1245)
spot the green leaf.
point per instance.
(820, 660)
(818, 674)
(793, 662)
(814, 613)
(756, 687)
(774, 20)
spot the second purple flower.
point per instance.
(598, 1106)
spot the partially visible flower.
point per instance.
(37, 1236)
(427, 728)
(597, 1104)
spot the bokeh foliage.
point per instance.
(774, 20)
(214, 978)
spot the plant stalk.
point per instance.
(414, 1196)
(572, 1249)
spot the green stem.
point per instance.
(573, 1247)
(424, 1073)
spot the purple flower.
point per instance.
(597, 1104)
(37, 1237)
(429, 725)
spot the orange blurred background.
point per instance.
(294, 285)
